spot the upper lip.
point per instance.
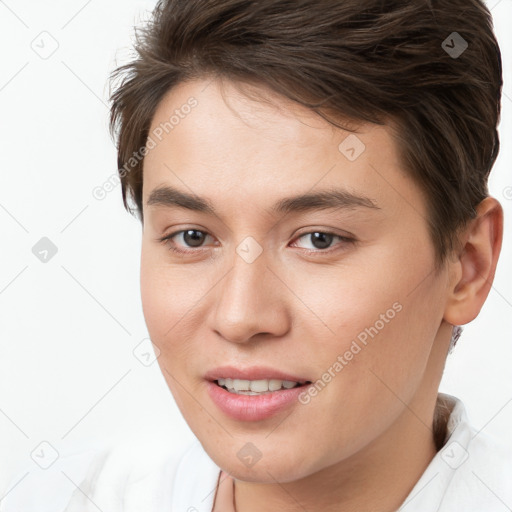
(252, 373)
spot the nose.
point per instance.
(250, 300)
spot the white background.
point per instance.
(68, 327)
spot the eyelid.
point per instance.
(344, 240)
(166, 239)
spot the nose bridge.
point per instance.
(247, 297)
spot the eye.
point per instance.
(322, 240)
(192, 238)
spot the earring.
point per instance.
(456, 332)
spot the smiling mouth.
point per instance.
(257, 387)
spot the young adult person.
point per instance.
(311, 180)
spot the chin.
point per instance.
(280, 467)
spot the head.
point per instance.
(311, 179)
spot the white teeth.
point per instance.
(259, 386)
(251, 387)
(274, 384)
(241, 385)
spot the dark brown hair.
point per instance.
(403, 62)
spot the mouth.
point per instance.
(254, 393)
(257, 399)
(257, 387)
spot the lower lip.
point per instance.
(253, 407)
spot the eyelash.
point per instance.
(166, 239)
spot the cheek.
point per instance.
(163, 305)
(376, 320)
(167, 292)
(154, 298)
(374, 355)
(172, 301)
(349, 303)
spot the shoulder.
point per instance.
(477, 467)
(46, 483)
(127, 475)
(131, 476)
(481, 474)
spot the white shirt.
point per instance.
(471, 473)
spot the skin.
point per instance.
(366, 438)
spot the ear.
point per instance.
(472, 272)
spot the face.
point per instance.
(337, 290)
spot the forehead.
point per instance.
(212, 139)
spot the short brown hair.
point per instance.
(404, 61)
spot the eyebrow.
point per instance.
(167, 196)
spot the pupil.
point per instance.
(322, 237)
(194, 241)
